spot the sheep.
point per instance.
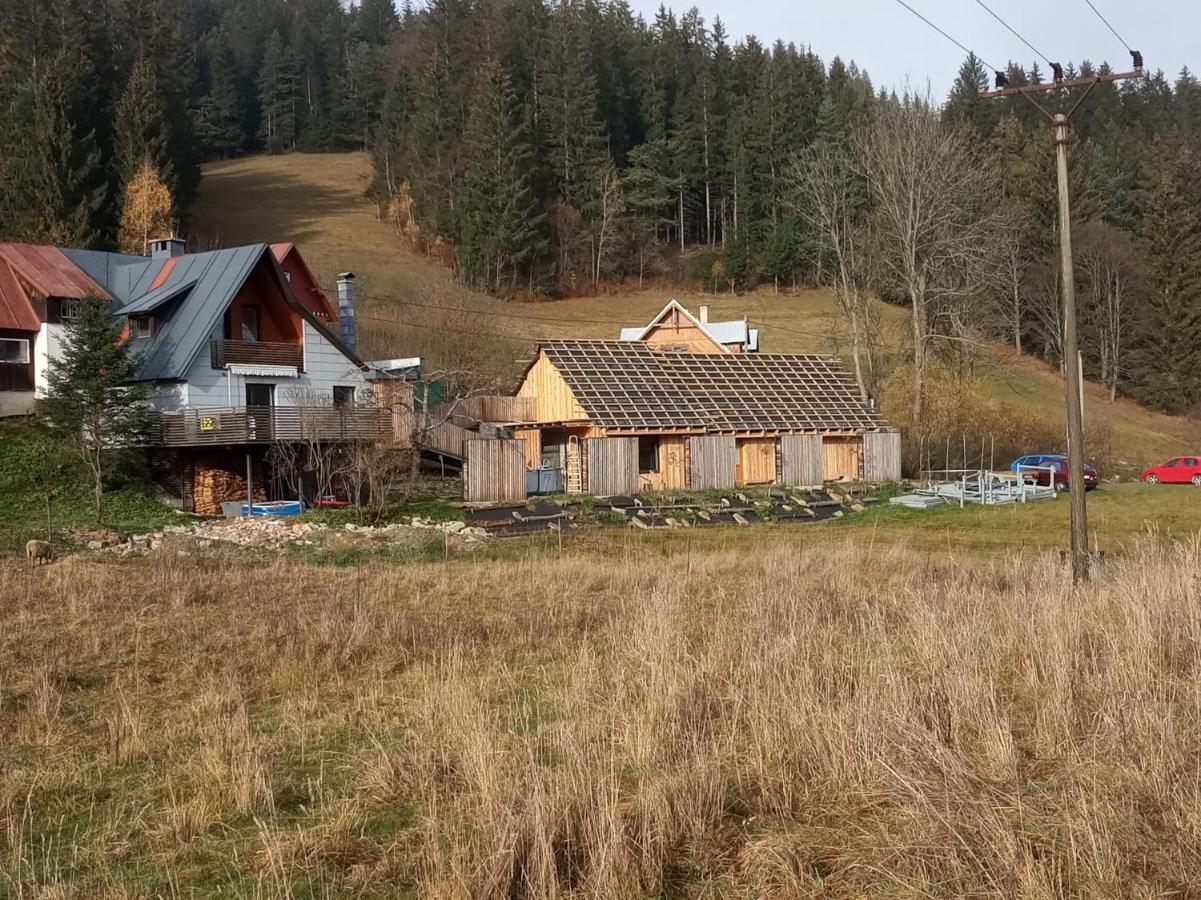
(38, 552)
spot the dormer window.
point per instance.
(141, 327)
(68, 310)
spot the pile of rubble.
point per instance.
(273, 534)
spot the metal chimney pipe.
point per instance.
(346, 309)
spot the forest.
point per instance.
(552, 149)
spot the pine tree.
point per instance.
(145, 211)
(92, 401)
(219, 119)
(964, 106)
(502, 228)
(278, 80)
(140, 131)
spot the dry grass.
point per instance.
(838, 722)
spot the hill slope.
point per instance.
(410, 306)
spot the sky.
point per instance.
(896, 48)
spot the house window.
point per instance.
(343, 396)
(68, 310)
(250, 323)
(14, 351)
(260, 395)
(141, 326)
(648, 454)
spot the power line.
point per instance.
(1015, 34)
(947, 36)
(1107, 25)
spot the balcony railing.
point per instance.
(268, 424)
(256, 353)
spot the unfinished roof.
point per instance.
(626, 385)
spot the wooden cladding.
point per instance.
(267, 424)
(714, 462)
(800, 460)
(495, 471)
(842, 457)
(256, 353)
(446, 438)
(882, 456)
(474, 410)
(612, 466)
(756, 461)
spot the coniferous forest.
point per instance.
(551, 148)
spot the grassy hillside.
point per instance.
(409, 305)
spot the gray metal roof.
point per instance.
(156, 298)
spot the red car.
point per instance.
(1181, 470)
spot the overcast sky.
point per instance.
(896, 47)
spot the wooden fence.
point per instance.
(800, 460)
(612, 466)
(882, 456)
(266, 424)
(495, 471)
(471, 411)
(714, 462)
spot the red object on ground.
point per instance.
(327, 503)
(1181, 470)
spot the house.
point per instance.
(675, 328)
(618, 416)
(240, 346)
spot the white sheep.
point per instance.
(38, 552)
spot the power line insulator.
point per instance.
(1057, 72)
(1137, 59)
(1002, 80)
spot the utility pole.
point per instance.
(1074, 387)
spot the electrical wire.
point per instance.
(1014, 32)
(1107, 25)
(947, 36)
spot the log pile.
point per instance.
(213, 486)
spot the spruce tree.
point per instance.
(278, 80)
(140, 131)
(218, 118)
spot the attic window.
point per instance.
(68, 310)
(14, 351)
(141, 326)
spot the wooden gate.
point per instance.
(800, 460)
(495, 471)
(756, 461)
(612, 466)
(882, 456)
(714, 462)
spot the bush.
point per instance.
(959, 412)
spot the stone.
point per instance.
(453, 527)
(95, 545)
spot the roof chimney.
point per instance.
(346, 308)
(161, 248)
(704, 316)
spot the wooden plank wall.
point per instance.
(551, 398)
(714, 461)
(612, 466)
(882, 456)
(495, 471)
(842, 458)
(673, 469)
(757, 460)
(801, 460)
(533, 446)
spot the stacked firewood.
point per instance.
(213, 486)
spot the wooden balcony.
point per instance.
(203, 426)
(256, 353)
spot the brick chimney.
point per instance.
(165, 247)
(704, 313)
(346, 309)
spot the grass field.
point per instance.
(761, 720)
(320, 202)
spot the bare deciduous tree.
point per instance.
(1110, 269)
(935, 212)
(833, 200)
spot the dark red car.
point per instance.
(1181, 470)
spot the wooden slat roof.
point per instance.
(627, 385)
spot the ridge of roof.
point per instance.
(675, 304)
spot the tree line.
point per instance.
(95, 93)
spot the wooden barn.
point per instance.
(622, 416)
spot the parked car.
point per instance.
(1038, 468)
(1181, 470)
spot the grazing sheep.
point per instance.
(38, 552)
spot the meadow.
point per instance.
(767, 719)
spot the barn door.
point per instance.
(714, 462)
(801, 460)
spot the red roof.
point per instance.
(310, 295)
(15, 309)
(48, 271)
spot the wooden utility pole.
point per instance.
(1074, 387)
